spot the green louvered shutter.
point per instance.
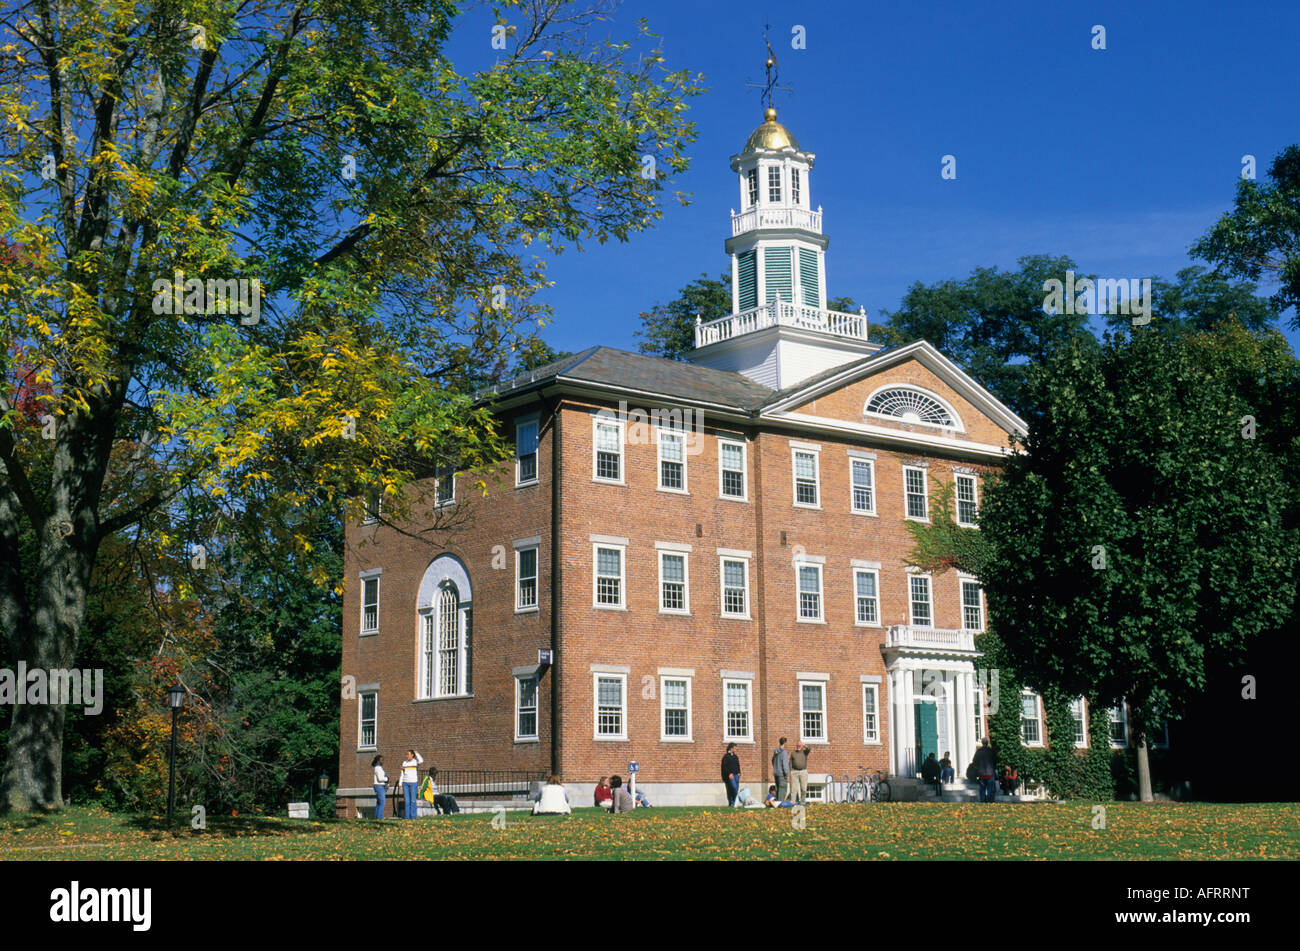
(808, 276)
(747, 271)
(779, 274)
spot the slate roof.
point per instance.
(673, 379)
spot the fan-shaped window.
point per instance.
(911, 406)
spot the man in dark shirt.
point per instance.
(799, 772)
(986, 771)
(731, 773)
(930, 772)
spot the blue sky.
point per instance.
(1120, 157)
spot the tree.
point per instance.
(992, 324)
(1201, 300)
(669, 329)
(273, 243)
(1132, 538)
(1260, 237)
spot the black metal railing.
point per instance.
(485, 782)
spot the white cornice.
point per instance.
(807, 423)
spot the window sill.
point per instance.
(374, 633)
(807, 742)
(738, 740)
(968, 524)
(529, 483)
(610, 739)
(665, 611)
(806, 505)
(734, 498)
(873, 743)
(673, 491)
(809, 620)
(621, 482)
(367, 749)
(876, 624)
(736, 617)
(609, 607)
(913, 518)
(867, 514)
(454, 696)
(676, 739)
(533, 610)
(526, 741)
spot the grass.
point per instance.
(888, 831)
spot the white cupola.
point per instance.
(779, 331)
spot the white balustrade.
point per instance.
(929, 638)
(760, 217)
(779, 313)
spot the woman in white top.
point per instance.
(381, 786)
(410, 780)
(552, 800)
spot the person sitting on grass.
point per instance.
(603, 797)
(552, 799)
(771, 801)
(641, 801)
(623, 801)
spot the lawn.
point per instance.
(888, 831)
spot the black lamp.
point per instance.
(175, 700)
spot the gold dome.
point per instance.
(770, 135)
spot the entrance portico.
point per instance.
(932, 695)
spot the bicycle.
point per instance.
(861, 788)
(881, 791)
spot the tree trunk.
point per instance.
(1144, 771)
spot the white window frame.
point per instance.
(1080, 706)
(855, 461)
(958, 479)
(804, 737)
(981, 718)
(925, 494)
(536, 423)
(361, 720)
(751, 187)
(795, 452)
(871, 736)
(673, 434)
(597, 422)
(536, 708)
(961, 588)
(722, 585)
(595, 577)
(744, 467)
(431, 671)
(857, 621)
(1122, 707)
(774, 171)
(366, 578)
(728, 736)
(438, 500)
(370, 516)
(520, 607)
(929, 598)
(689, 737)
(1037, 719)
(596, 678)
(686, 580)
(820, 617)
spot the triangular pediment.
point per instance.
(917, 394)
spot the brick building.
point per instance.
(711, 551)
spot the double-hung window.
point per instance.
(794, 186)
(968, 512)
(919, 589)
(676, 707)
(374, 507)
(1079, 722)
(812, 710)
(609, 450)
(871, 713)
(751, 187)
(862, 473)
(526, 708)
(731, 470)
(810, 591)
(611, 706)
(774, 184)
(526, 452)
(806, 479)
(526, 578)
(367, 720)
(370, 605)
(735, 587)
(1118, 726)
(673, 594)
(737, 710)
(445, 492)
(866, 583)
(915, 493)
(609, 580)
(672, 460)
(972, 606)
(1031, 721)
(981, 730)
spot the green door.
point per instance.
(927, 732)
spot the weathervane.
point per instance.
(771, 69)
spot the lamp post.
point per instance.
(175, 700)
(324, 785)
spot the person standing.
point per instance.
(410, 781)
(731, 773)
(781, 769)
(986, 771)
(799, 773)
(381, 786)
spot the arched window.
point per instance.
(444, 645)
(910, 405)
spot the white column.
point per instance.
(964, 750)
(735, 284)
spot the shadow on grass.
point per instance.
(237, 827)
